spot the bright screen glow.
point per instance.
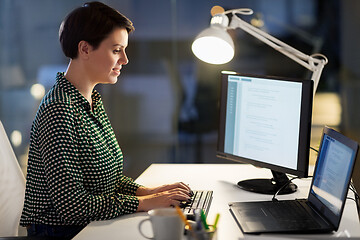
(263, 120)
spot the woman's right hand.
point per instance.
(170, 198)
(142, 191)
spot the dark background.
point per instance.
(164, 106)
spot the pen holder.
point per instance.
(203, 234)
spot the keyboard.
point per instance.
(292, 214)
(201, 199)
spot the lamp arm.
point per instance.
(312, 63)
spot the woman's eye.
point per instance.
(117, 51)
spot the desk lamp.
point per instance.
(214, 45)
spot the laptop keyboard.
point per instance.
(292, 213)
(201, 199)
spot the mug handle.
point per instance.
(139, 226)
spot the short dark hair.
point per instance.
(92, 23)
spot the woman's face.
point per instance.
(107, 60)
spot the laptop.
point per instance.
(322, 210)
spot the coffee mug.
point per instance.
(166, 224)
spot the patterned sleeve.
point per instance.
(64, 176)
(128, 186)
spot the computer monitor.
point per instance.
(266, 121)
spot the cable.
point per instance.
(350, 198)
(314, 149)
(352, 188)
(274, 199)
(357, 199)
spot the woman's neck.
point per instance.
(78, 77)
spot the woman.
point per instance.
(75, 164)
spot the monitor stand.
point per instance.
(269, 186)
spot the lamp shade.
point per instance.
(213, 45)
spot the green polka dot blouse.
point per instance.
(75, 164)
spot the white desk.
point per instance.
(222, 179)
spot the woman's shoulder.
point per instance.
(56, 100)
(56, 95)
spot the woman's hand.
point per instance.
(169, 198)
(142, 191)
(167, 195)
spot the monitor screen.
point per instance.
(333, 170)
(266, 121)
(334, 167)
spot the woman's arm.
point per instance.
(64, 174)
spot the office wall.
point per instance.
(164, 107)
(349, 70)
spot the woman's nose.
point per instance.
(123, 60)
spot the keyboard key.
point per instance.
(200, 200)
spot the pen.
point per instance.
(183, 218)
(203, 219)
(216, 220)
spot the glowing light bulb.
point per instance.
(16, 138)
(37, 91)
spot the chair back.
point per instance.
(12, 188)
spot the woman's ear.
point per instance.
(84, 49)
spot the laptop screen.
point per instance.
(333, 171)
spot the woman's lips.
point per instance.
(117, 70)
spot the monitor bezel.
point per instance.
(305, 125)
